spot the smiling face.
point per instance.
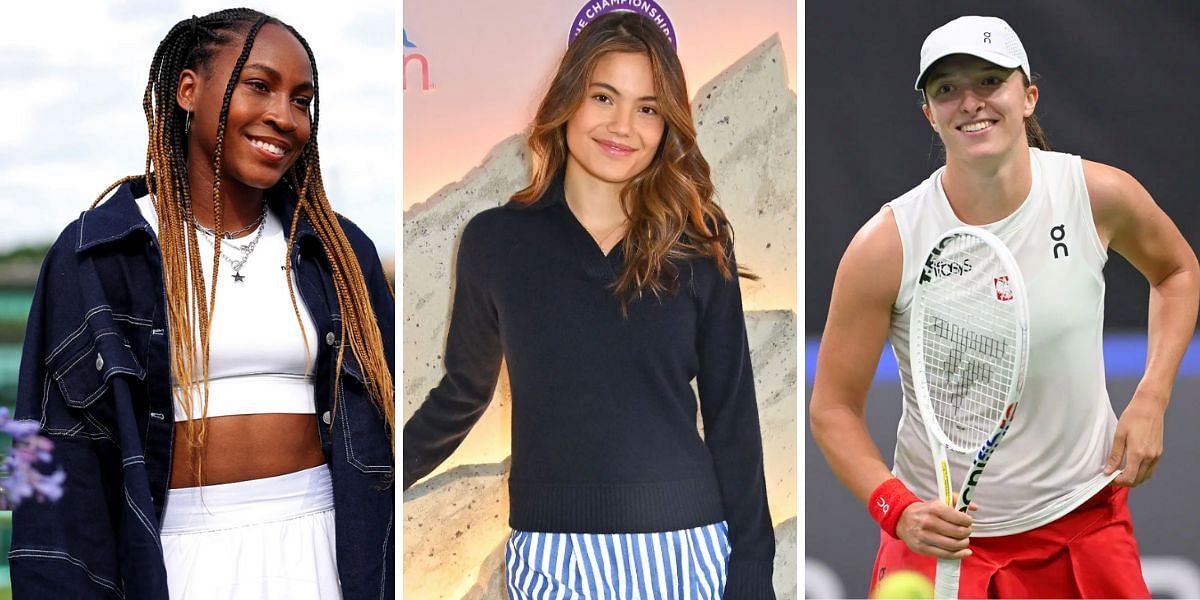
(978, 108)
(268, 122)
(615, 132)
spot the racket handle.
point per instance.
(945, 582)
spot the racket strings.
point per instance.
(970, 344)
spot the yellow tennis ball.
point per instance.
(904, 585)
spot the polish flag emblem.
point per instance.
(1004, 291)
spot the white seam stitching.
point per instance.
(350, 456)
(45, 397)
(76, 431)
(144, 519)
(103, 430)
(59, 373)
(132, 319)
(83, 354)
(66, 556)
(383, 580)
(107, 239)
(104, 381)
(78, 330)
(87, 316)
(104, 384)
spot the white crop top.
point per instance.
(257, 362)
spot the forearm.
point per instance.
(441, 423)
(1172, 321)
(736, 448)
(847, 445)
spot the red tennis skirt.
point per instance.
(1088, 553)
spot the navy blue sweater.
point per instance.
(604, 436)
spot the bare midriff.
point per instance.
(245, 447)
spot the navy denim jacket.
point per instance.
(96, 373)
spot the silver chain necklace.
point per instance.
(244, 250)
(229, 235)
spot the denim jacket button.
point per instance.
(325, 417)
(329, 339)
(99, 362)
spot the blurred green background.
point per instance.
(18, 276)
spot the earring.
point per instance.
(187, 124)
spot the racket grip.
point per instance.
(945, 582)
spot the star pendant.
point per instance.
(238, 277)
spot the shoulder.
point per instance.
(118, 218)
(912, 196)
(872, 265)
(703, 272)
(371, 263)
(1129, 220)
(62, 257)
(1107, 183)
(1064, 175)
(1052, 159)
(492, 220)
(69, 239)
(76, 275)
(104, 229)
(94, 232)
(878, 241)
(483, 239)
(354, 234)
(363, 245)
(1116, 197)
(367, 255)
(490, 226)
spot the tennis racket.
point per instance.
(968, 346)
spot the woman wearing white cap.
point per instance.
(1054, 523)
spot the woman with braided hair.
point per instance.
(211, 351)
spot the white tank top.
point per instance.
(257, 362)
(1053, 458)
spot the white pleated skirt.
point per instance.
(265, 539)
(674, 565)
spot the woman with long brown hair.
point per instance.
(211, 351)
(608, 285)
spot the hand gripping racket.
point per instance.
(968, 346)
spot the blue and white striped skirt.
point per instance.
(672, 565)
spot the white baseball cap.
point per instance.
(989, 38)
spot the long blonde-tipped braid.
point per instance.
(164, 146)
(354, 301)
(197, 439)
